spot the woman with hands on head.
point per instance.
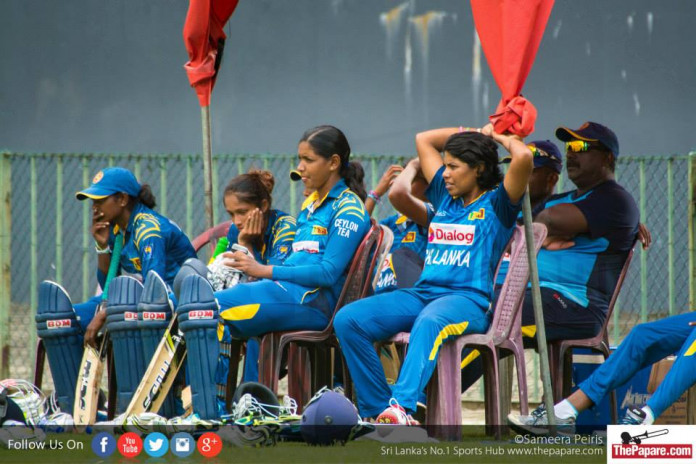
(474, 219)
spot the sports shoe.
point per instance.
(537, 423)
(396, 415)
(634, 416)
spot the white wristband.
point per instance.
(102, 251)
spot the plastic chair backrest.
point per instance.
(617, 289)
(515, 284)
(357, 282)
(210, 237)
(382, 252)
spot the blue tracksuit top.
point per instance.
(152, 243)
(465, 242)
(277, 238)
(326, 238)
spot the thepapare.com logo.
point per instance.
(650, 442)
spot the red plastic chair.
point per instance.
(210, 237)
(561, 351)
(443, 416)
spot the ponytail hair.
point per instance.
(354, 175)
(146, 196)
(252, 187)
(327, 141)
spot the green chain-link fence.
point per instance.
(44, 230)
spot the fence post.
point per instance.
(86, 229)
(643, 256)
(33, 248)
(670, 235)
(5, 259)
(692, 228)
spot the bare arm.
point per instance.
(563, 220)
(403, 200)
(429, 145)
(382, 186)
(521, 166)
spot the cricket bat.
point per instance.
(87, 390)
(160, 374)
(92, 365)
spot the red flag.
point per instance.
(204, 38)
(510, 32)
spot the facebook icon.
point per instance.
(104, 445)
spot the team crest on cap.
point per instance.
(97, 177)
(584, 126)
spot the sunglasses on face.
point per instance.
(579, 146)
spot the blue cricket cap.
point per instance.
(109, 181)
(591, 132)
(546, 154)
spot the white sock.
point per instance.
(565, 410)
(649, 416)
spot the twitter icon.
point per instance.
(156, 444)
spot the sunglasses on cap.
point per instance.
(539, 153)
(579, 146)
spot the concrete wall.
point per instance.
(106, 76)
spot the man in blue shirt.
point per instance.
(591, 230)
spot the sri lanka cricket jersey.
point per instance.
(465, 241)
(152, 242)
(328, 233)
(277, 239)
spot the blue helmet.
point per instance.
(328, 419)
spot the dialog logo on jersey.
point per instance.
(451, 234)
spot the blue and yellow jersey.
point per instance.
(152, 243)
(328, 233)
(587, 272)
(277, 238)
(407, 234)
(465, 242)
